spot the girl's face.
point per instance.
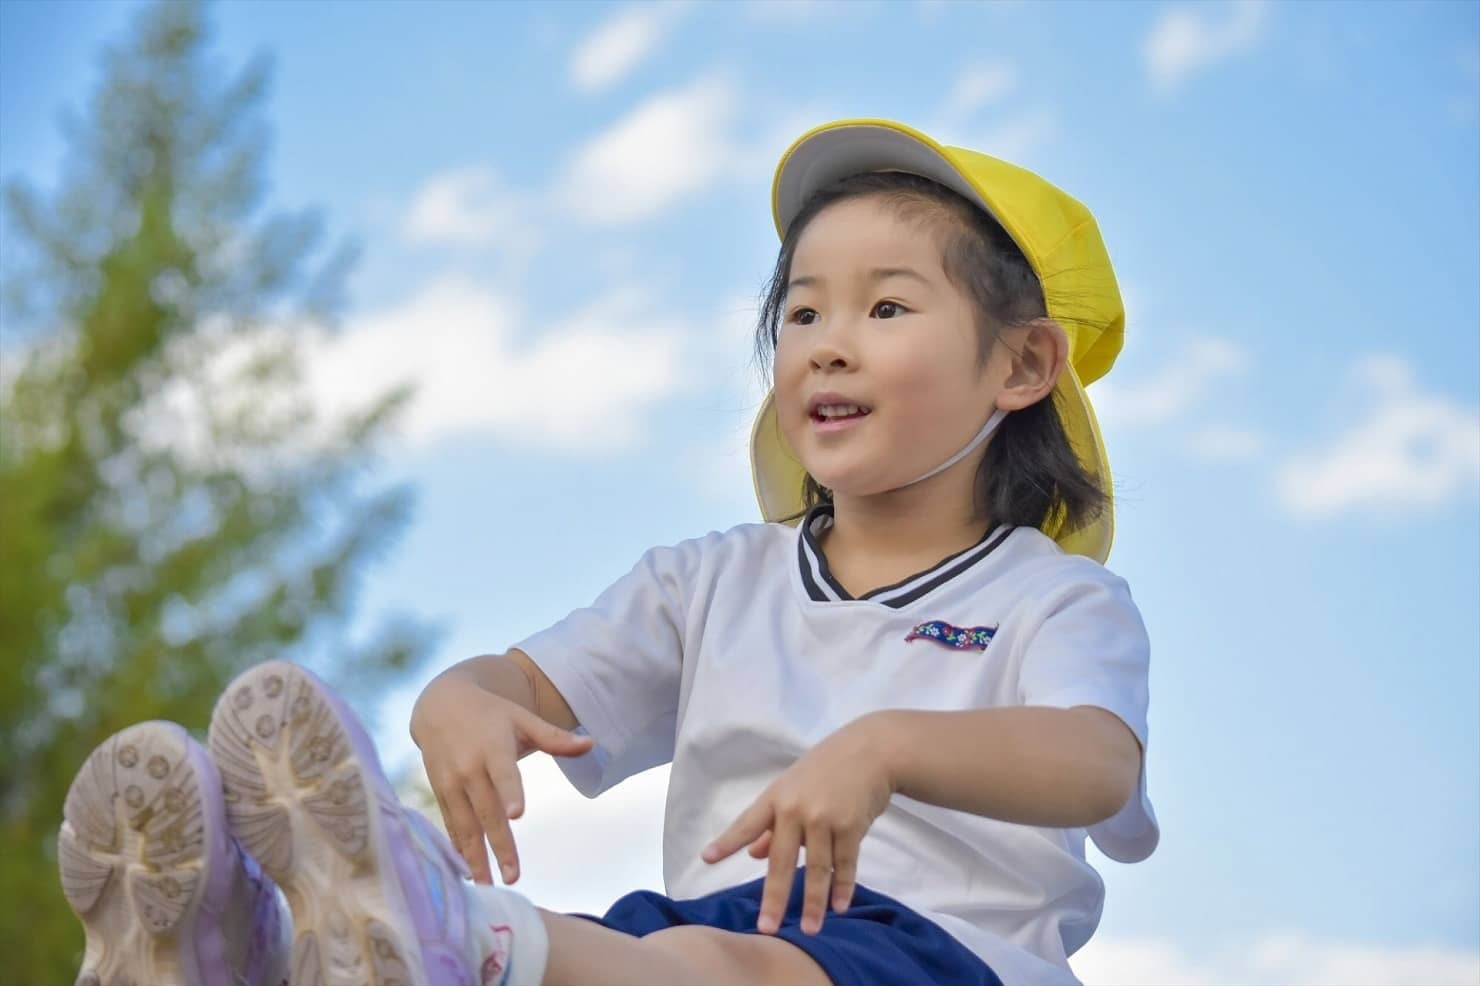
(870, 320)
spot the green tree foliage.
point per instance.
(173, 508)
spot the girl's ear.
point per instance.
(1036, 352)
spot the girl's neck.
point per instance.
(887, 528)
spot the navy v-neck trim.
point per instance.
(821, 586)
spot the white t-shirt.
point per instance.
(731, 654)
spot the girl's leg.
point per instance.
(583, 952)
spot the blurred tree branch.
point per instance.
(173, 505)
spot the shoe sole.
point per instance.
(305, 797)
(140, 846)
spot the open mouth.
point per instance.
(824, 413)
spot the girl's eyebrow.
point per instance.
(877, 274)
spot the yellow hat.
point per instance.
(1056, 233)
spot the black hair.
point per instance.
(1029, 475)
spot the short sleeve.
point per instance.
(1091, 648)
(618, 663)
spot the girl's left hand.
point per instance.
(825, 801)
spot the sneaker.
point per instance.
(166, 896)
(375, 890)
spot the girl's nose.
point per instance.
(828, 356)
(831, 348)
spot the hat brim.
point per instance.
(827, 154)
(836, 151)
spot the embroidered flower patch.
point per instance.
(961, 638)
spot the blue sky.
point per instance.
(564, 211)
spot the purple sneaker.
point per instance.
(165, 894)
(375, 890)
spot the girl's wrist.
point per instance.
(884, 742)
(419, 710)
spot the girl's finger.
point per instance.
(786, 840)
(446, 817)
(494, 825)
(742, 831)
(463, 828)
(819, 877)
(845, 871)
(510, 788)
(550, 738)
(761, 848)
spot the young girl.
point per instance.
(891, 727)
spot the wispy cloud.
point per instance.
(798, 11)
(1464, 106)
(1408, 448)
(981, 86)
(978, 85)
(561, 867)
(1285, 958)
(620, 44)
(465, 207)
(1226, 443)
(929, 11)
(565, 872)
(669, 148)
(720, 467)
(585, 384)
(756, 157)
(1020, 137)
(1185, 40)
(1179, 385)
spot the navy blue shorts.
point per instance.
(876, 942)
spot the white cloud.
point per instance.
(755, 159)
(565, 870)
(1179, 385)
(1296, 958)
(1144, 962)
(978, 85)
(466, 207)
(620, 44)
(720, 468)
(1186, 40)
(1012, 137)
(669, 148)
(1464, 106)
(582, 384)
(929, 11)
(1407, 448)
(788, 12)
(561, 867)
(1226, 443)
(1018, 138)
(1285, 958)
(235, 398)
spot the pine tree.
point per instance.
(173, 508)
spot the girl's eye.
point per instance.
(883, 309)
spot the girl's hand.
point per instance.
(825, 801)
(470, 739)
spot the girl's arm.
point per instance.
(1032, 765)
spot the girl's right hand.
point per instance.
(470, 740)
